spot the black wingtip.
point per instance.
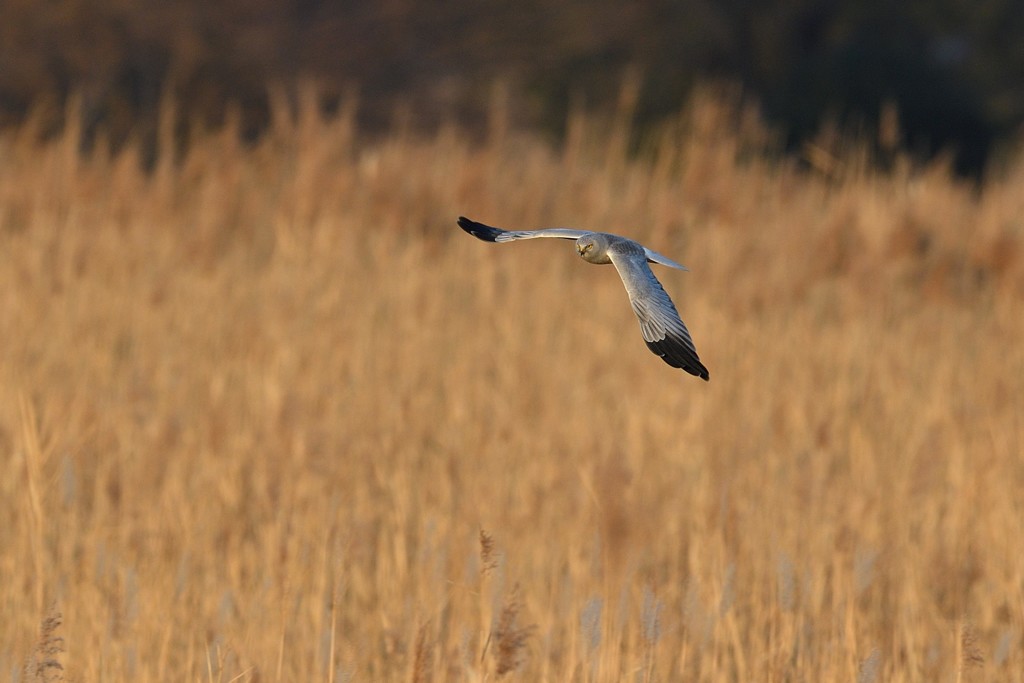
(676, 354)
(698, 370)
(479, 230)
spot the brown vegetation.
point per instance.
(257, 406)
(952, 69)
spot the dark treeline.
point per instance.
(954, 69)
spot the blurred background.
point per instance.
(952, 70)
(267, 414)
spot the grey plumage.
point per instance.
(662, 328)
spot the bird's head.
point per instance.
(592, 249)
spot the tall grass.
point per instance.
(267, 414)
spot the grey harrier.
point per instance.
(663, 330)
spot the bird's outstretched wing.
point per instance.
(489, 234)
(660, 324)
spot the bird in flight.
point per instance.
(660, 324)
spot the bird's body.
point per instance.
(662, 328)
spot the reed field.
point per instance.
(267, 414)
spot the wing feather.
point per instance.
(490, 234)
(662, 328)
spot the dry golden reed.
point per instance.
(422, 665)
(488, 558)
(509, 636)
(257, 405)
(45, 665)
